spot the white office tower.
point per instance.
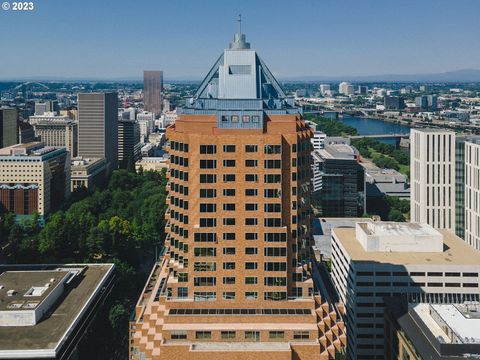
(325, 89)
(346, 88)
(318, 140)
(379, 260)
(432, 177)
(472, 193)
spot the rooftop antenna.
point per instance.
(239, 23)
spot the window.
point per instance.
(275, 208)
(208, 208)
(251, 221)
(251, 192)
(251, 148)
(275, 281)
(178, 335)
(228, 221)
(200, 335)
(224, 118)
(229, 148)
(228, 207)
(204, 281)
(251, 295)
(272, 149)
(229, 280)
(272, 164)
(208, 178)
(204, 266)
(228, 266)
(251, 251)
(272, 222)
(228, 236)
(208, 149)
(208, 164)
(272, 193)
(272, 178)
(208, 193)
(301, 335)
(251, 266)
(201, 252)
(234, 118)
(274, 335)
(251, 236)
(252, 335)
(275, 295)
(275, 266)
(251, 163)
(205, 237)
(228, 192)
(229, 251)
(227, 335)
(228, 295)
(251, 177)
(275, 251)
(251, 280)
(182, 277)
(246, 118)
(274, 237)
(255, 118)
(208, 222)
(182, 292)
(228, 177)
(229, 163)
(251, 207)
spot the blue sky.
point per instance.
(119, 39)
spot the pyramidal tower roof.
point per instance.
(239, 81)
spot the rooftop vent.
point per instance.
(11, 292)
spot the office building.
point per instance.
(318, 140)
(98, 127)
(377, 260)
(46, 310)
(26, 133)
(129, 144)
(362, 90)
(471, 185)
(422, 102)
(432, 102)
(432, 177)
(325, 89)
(58, 131)
(33, 178)
(146, 122)
(8, 127)
(393, 102)
(50, 106)
(338, 181)
(152, 91)
(234, 281)
(87, 173)
(431, 331)
(346, 88)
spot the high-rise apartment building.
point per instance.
(379, 260)
(60, 132)
(129, 145)
(98, 127)
(234, 281)
(33, 178)
(346, 88)
(8, 127)
(325, 89)
(152, 91)
(432, 174)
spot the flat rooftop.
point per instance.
(455, 251)
(20, 282)
(465, 326)
(49, 335)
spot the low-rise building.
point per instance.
(386, 182)
(34, 178)
(152, 164)
(46, 310)
(431, 331)
(87, 172)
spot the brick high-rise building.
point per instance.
(235, 280)
(152, 91)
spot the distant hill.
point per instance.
(465, 75)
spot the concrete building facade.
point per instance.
(60, 132)
(98, 127)
(8, 127)
(472, 193)
(152, 91)
(33, 178)
(378, 260)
